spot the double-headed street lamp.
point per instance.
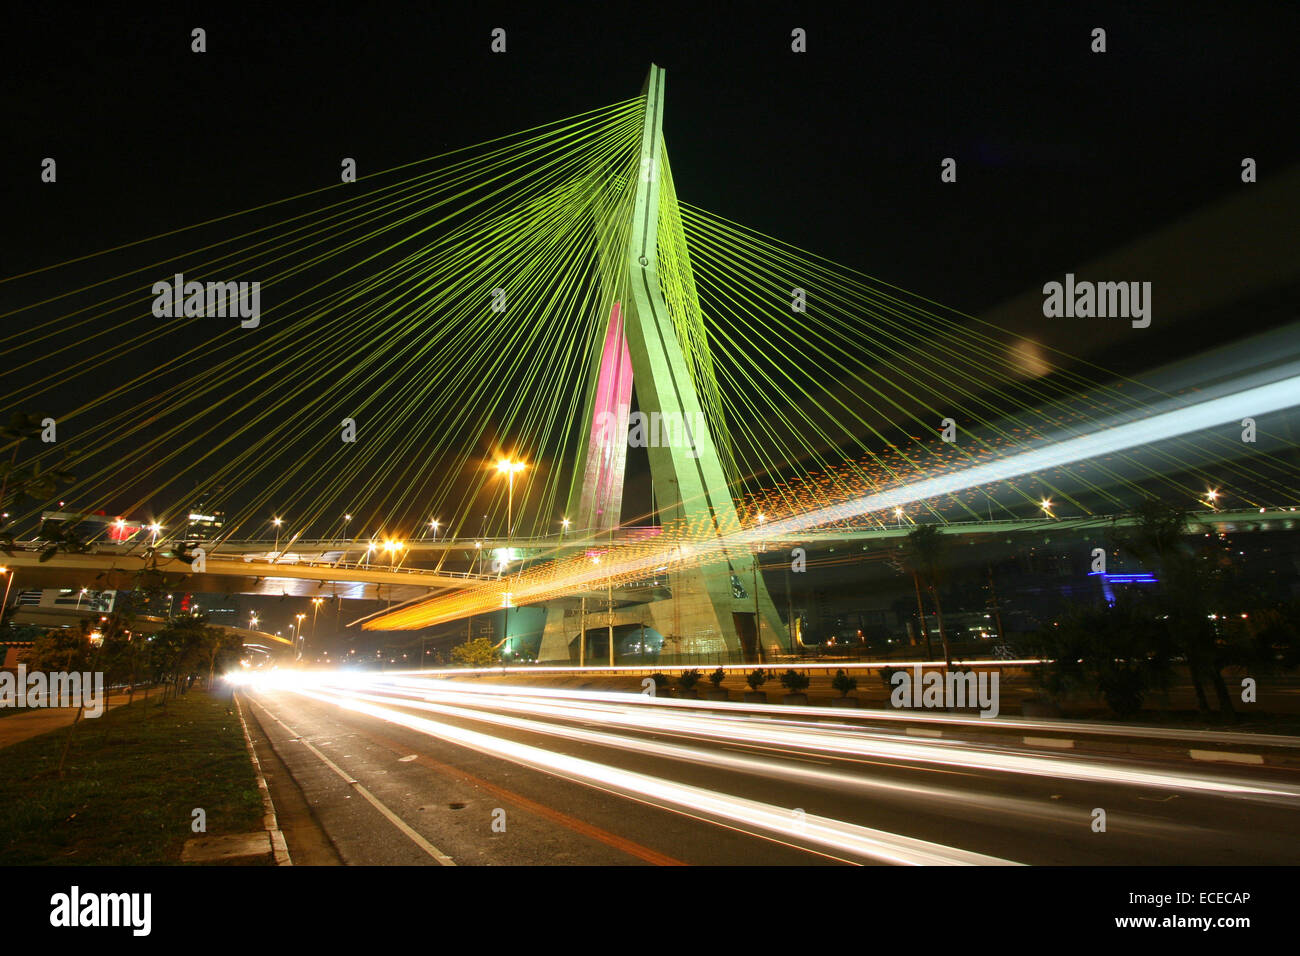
(509, 468)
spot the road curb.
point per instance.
(279, 848)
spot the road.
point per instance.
(416, 771)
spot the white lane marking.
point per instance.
(374, 801)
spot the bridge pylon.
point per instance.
(712, 608)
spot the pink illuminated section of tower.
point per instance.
(602, 485)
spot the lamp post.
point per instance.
(276, 522)
(298, 639)
(758, 617)
(509, 468)
(9, 580)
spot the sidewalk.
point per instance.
(33, 723)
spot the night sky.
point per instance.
(1063, 154)
(1065, 157)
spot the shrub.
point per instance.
(794, 682)
(844, 683)
(717, 677)
(756, 679)
(688, 679)
(662, 681)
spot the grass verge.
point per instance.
(131, 782)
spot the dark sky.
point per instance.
(1063, 154)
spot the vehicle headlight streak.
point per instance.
(530, 587)
(748, 814)
(949, 754)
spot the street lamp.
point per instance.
(276, 522)
(510, 469)
(758, 617)
(9, 580)
(298, 640)
(316, 602)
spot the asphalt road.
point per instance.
(408, 771)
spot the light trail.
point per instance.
(675, 550)
(632, 714)
(944, 753)
(774, 712)
(739, 812)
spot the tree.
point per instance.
(65, 649)
(1119, 652)
(924, 554)
(478, 652)
(1189, 588)
(218, 644)
(179, 648)
(19, 483)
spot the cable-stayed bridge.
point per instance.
(544, 302)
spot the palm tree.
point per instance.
(924, 553)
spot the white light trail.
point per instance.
(949, 754)
(738, 811)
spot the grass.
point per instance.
(131, 781)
